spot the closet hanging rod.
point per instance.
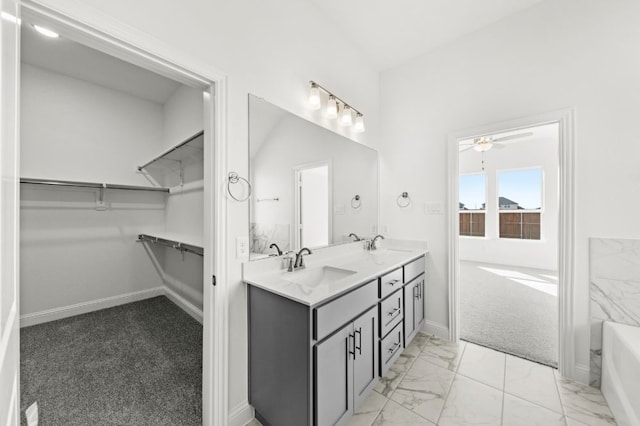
(172, 243)
(170, 150)
(54, 182)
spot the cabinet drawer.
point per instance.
(413, 269)
(391, 312)
(390, 348)
(390, 282)
(330, 316)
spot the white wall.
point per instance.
(558, 54)
(74, 130)
(541, 254)
(271, 49)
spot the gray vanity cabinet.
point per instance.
(413, 307)
(345, 369)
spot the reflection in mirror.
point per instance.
(305, 179)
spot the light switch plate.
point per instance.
(242, 247)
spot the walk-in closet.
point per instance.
(111, 250)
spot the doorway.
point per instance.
(312, 205)
(508, 242)
(214, 409)
(563, 119)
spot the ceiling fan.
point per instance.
(485, 143)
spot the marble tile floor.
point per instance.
(436, 382)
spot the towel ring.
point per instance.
(233, 179)
(356, 203)
(403, 196)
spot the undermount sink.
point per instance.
(316, 276)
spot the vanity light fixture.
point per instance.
(333, 110)
(359, 124)
(345, 117)
(46, 31)
(314, 97)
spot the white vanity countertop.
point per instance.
(363, 265)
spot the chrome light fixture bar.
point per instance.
(345, 116)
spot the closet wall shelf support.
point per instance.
(172, 243)
(102, 186)
(170, 150)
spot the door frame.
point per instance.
(112, 37)
(296, 199)
(566, 229)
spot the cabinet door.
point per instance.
(334, 378)
(410, 292)
(419, 302)
(365, 365)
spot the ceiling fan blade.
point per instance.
(511, 137)
(466, 149)
(498, 146)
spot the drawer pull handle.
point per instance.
(394, 348)
(396, 311)
(392, 282)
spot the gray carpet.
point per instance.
(499, 309)
(135, 364)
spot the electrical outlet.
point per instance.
(374, 228)
(385, 229)
(242, 247)
(432, 208)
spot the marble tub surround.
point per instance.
(426, 387)
(614, 291)
(265, 234)
(270, 274)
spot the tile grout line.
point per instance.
(556, 381)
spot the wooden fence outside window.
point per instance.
(524, 225)
(472, 223)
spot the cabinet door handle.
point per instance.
(394, 348)
(395, 312)
(420, 289)
(392, 282)
(416, 292)
(359, 347)
(352, 336)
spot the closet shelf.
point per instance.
(173, 243)
(55, 182)
(191, 148)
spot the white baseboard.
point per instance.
(582, 374)
(436, 329)
(185, 305)
(85, 307)
(241, 415)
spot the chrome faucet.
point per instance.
(373, 242)
(299, 262)
(354, 236)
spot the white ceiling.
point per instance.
(390, 32)
(75, 60)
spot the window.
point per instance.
(472, 204)
(520, 203)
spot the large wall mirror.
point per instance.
(311, 186)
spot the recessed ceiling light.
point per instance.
(46, 31)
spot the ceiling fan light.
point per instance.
(314, 97)
(483, 145)
(332, 107)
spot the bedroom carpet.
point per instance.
(510, 309)
(134, 364)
